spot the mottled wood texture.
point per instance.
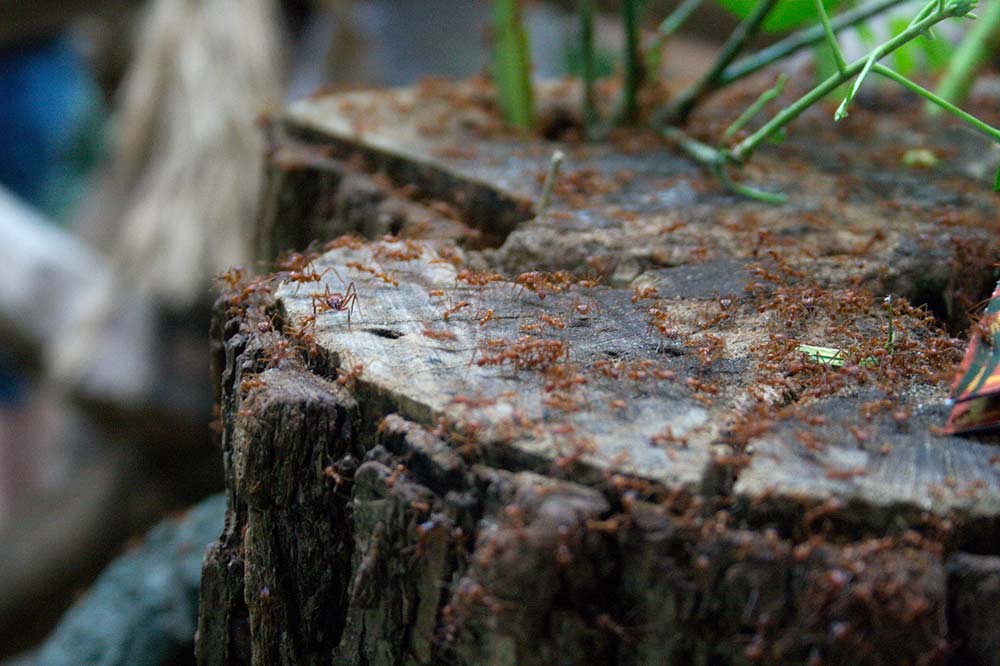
(541, 470)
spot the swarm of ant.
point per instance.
(852, 320)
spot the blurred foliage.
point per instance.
(788, 15)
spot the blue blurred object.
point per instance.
(12, 382)
(50, 115)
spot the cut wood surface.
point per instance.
(587, 436)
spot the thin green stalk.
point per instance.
(701, 152)
(669, 25)
(679, 110)
(715, 160)
(746, 190)
(932, 98)
(629, 110)
(745, 148)
(751, 111)
(586, 9)
(972, 54)
(929, 7)
(831, 37)
(800, 40)
(676, 19)
(512, 64)
(841, 112)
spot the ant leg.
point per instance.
(353, 290)
(337, 273)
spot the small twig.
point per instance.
(550, 180)
(890, 343)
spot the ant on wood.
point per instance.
(336, 301)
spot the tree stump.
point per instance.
(587, 436)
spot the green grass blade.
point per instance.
(831, 37)
(751, 111)
(589, 74)
(512, 64)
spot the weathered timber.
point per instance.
(483, 459)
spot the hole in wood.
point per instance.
(385, 333)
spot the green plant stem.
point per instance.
(972, 54)
(751, 111)
(745, 148)
(676, 19)
(801, 40)
(715, 160)
(831, 37)
(986, 129)
(841, 112)
(586, 9)
(512, 64)
(629, 109)
(701, 152)
(669, 25)
(681, 108)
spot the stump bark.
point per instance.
(587, 436)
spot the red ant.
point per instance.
(304, 276)
(336, 301)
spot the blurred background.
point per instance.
(131, 153)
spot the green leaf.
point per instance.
(824, 355)
(787, 15)
(996, 183)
